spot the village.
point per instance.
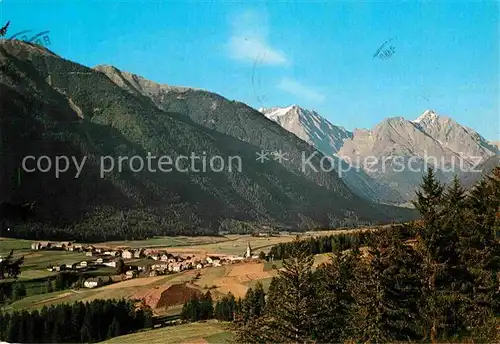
(138, 262)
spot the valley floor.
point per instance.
(201, 332)
(165, 294)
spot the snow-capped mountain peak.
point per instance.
(275, 112)
(427, 116)
(430, 135)
(309, 126)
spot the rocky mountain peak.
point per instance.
(428, 116)
(430, 134)
(309, 126)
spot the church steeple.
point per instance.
(249, 251)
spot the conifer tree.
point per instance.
(434, 245)
(114, 329)
(206, 306)
(260, 299)
(13, 327)
(225, 308)
(219, 309)
(449, 281)
(231, 307)
(335, 282)
(247, 306)
(387, 292)
(254, 302)
(480, 251)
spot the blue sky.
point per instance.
(317, 54)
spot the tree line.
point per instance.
(11, 291)
(443, 285)
(332, 243)
(227, 308)
(433, 280)
(79, 322)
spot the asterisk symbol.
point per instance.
(279, 156)
(262, 156)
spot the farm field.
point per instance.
(7, 244)
(201, 332)
(164, 242)
(234, 278)
(127, 289)
(233, 245)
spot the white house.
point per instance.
(127, 254)
(131, 274)
(91, 283)
(101, 260)
(111, 263)
(71, 266)
(236, 259)
(177, 267)
(160, 266)
(96, 282)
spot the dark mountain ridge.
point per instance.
(54, 107)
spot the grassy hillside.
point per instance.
(204, 332)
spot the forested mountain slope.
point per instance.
(51, 106)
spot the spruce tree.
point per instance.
(448, 281)
(12, 332)
(225, 308)
(336, 301)
(480, 251)
(431, 240)
(231, 307)
(206, 306)
(259, 300)
(193, 310)
(254, 302)
(387, 292)
(247, 306)
(114, 329)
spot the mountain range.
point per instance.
(53, 107)
(396, 151)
